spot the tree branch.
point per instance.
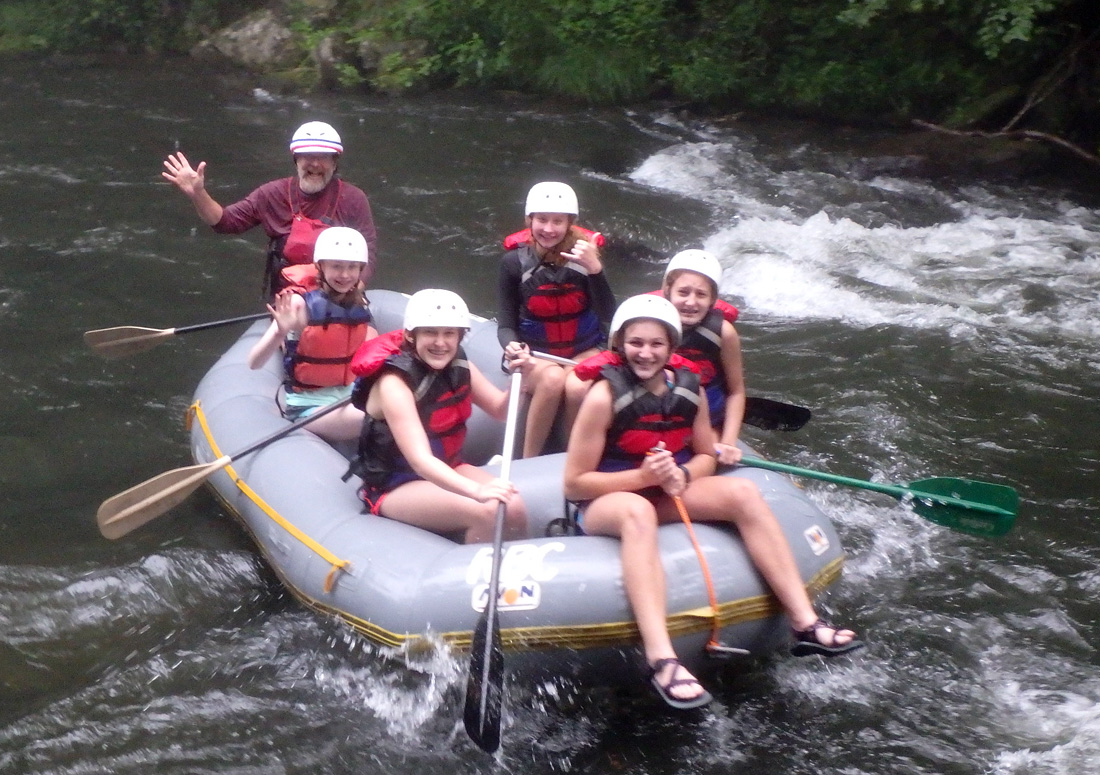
(1063, 69)
(1018, 134)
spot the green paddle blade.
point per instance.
(966, 514)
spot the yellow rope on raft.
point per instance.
(195, 410)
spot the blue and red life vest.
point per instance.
(322, 355)
(443, 401)
(555, 314)
(702, 345)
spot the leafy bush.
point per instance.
(20, 28)
(598, 50)
(134, 25)
(962, 62)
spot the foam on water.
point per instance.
(987, 262)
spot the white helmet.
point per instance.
(316, 137)
(551, 197)
(698, 261)
(648, 306)
(340, 243)
(436, 308)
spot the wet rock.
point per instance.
(331, 57)
(260, 41)
(1038, 298)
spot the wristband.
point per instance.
(687, 474)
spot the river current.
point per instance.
(936, 328)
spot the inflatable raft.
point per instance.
(562, 605)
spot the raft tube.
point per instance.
(563, 610)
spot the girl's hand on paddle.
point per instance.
(178, 171)
(660, 465)
(495, 490)
(728, 454)
(517, 355)
(587, 254)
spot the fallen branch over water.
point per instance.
(1015, 134)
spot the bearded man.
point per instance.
(293, 211)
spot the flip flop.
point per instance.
(808, 644)
(665, 690)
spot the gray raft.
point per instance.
(562, 607)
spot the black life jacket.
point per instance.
(443, 401)
(642, 420)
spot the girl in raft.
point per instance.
(417, 387)
(319, 332)
(553, 297)
(709, 340)
(643, 438)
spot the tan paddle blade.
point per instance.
(142, 503)
(122, 341)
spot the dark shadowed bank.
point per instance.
(1003, 87)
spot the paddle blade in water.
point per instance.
(485, 685)
(983, 508)
(770, 415)
(142, 503)
(125, 340)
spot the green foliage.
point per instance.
(997, 23)
(134, 25)
(962, 62)
(597, 50)
(19, 27)
(396, 73)
(1012, 21)
(861, 58)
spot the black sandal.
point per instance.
(808, 641)
(665, 690)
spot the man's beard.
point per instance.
(311, 185)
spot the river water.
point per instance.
(935, 327)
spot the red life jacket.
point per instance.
(643, 420)
(323, 353)
(523, 237)
(443, 401)
(299, 278)
(590, 367)
(298, 248)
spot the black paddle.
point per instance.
(763, 413)
(143, 503)
(121, 341)
(485, 686)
